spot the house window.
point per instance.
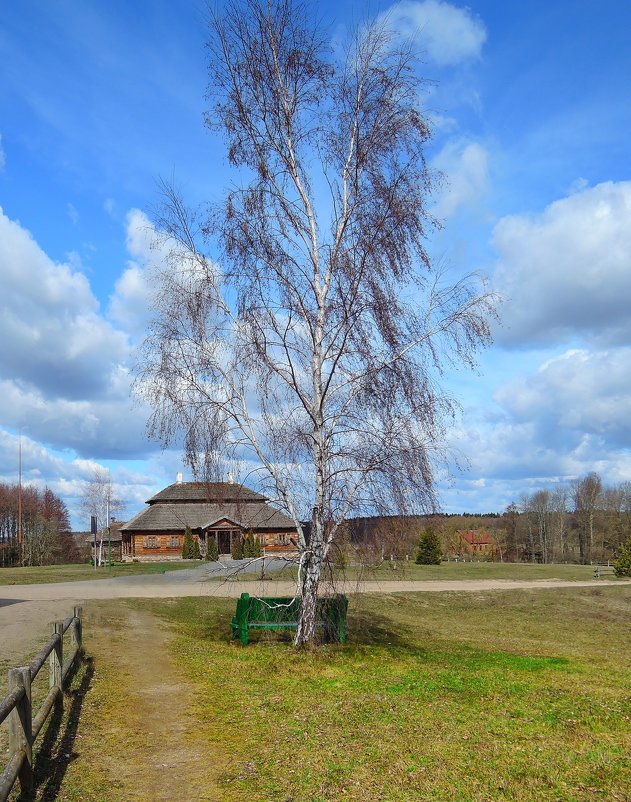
(151, 542)
(174, 542)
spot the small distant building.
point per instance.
(85, 542)
(477, 543)
(222, 511)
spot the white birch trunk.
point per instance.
(308, 591)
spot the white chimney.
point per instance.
(178, 478)
(230, 478)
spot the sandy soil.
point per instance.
(25, 626)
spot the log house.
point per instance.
(220, 510)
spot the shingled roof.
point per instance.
(209, 492)
(202, 505)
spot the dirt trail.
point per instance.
(147, 741)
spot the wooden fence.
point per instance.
(17, 704)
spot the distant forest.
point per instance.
(582, 522)
(46, 536)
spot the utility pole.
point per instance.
(20, 537)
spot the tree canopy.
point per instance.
(300, 327)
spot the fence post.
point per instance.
(20, 727)
(56, 659)
(76, 632)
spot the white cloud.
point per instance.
(130, 305)
(64, 369)
(448, 34)
(570, 416)
(3, 158)
(53, 336)
(109, 426)
(576, 395)
(141, 236)
(68, 476)
(567, 270)
(73, 214)
(465, 168)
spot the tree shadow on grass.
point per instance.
(56, 750)
(367, 628)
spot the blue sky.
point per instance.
(531, 110)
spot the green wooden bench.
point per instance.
(255, 612)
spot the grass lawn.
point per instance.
(73, 573)
(482, 570)
(408, 570)
(520, 695)
(387, 571)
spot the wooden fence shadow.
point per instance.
(56, 751)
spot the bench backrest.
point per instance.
(273, 610)
(277, 609)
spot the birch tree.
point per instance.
(99, 499)
(586, 493)
(559, 499)
(299, 324)
(541, 508)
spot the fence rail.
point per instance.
(17, 704)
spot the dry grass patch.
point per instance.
(407, 570)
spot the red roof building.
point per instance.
(477, 541)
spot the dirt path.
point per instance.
(146, 741)
(164, 587)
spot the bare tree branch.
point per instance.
(313, 345)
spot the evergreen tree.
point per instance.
(251, 546)
(188, 547)
(622, 565)
(237, 549)
(213, 552)
(430, 551)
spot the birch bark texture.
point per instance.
(300, 328)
